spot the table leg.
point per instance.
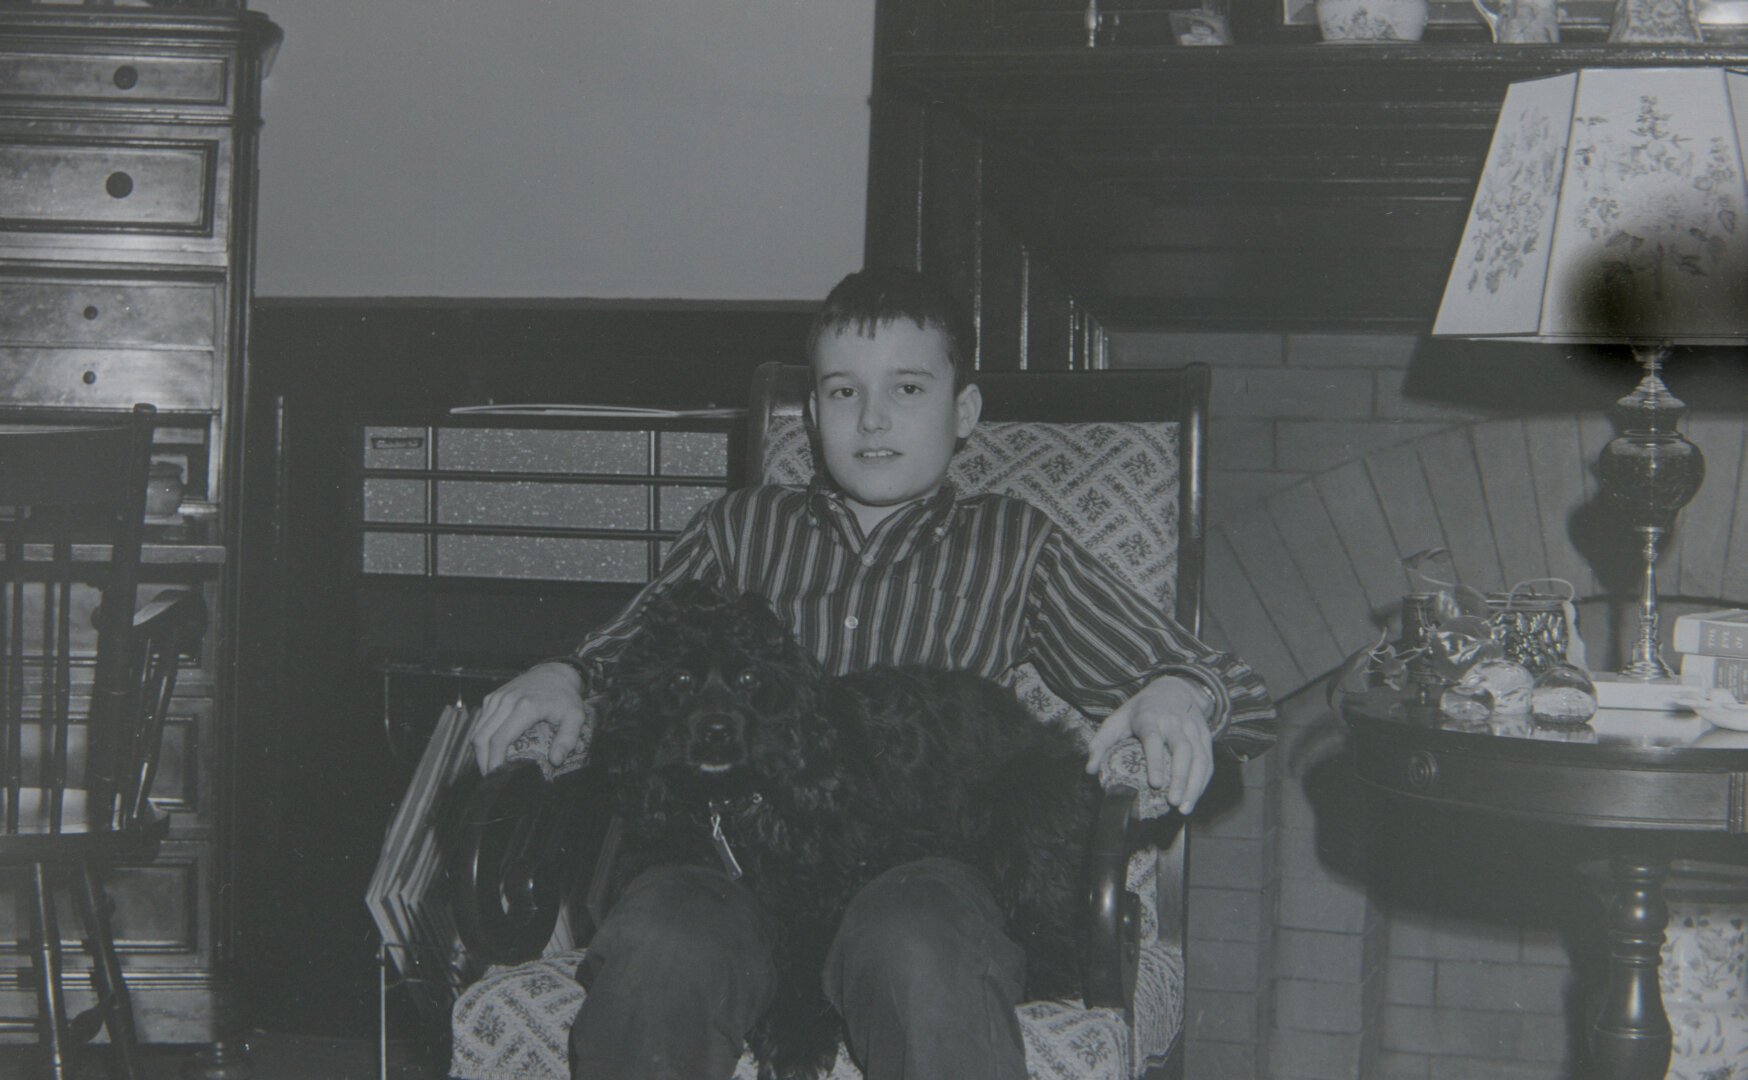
(1631, 1040)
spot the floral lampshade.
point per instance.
(1613, 207)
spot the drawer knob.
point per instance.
(119, 185)
(89, 378)
(127, 77)
(1422, 770)
(90, 311)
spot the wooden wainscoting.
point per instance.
(318, 773)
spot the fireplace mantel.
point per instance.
(1292, 186)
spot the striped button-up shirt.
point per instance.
(983, 584)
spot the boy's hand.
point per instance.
(1170, 717)
(551, 692)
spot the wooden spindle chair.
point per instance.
(86, 676)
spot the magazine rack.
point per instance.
(420, 950)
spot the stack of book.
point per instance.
(1712, 651)
(1615, 691)
(409, 892)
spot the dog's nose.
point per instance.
(716, 731)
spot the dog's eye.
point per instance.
(747, 680)
(681, 682)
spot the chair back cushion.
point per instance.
(1113, 486)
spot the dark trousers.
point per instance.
(922, 971)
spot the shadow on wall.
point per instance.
(1507, 378)
(1648, 296)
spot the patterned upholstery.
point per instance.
(1114, 487)
(512, 1024)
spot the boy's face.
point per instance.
(888, 418)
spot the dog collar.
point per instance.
(719, 839)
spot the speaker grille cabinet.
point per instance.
(477, 525)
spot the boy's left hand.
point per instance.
(1169, 716)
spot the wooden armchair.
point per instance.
(1115, 457)
(81, 713)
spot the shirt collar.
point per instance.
(925, 518)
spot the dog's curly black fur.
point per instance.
(820, 783)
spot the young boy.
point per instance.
(881, 562)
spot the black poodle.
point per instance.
(725, 744)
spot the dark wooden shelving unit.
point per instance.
(1288, 185)
(128, 149)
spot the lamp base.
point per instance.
(1647, 662)
(1652, 471)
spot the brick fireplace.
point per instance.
(1334, 936)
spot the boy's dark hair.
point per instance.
(869, 299)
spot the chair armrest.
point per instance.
(173, 613)
(520, 843)
(535, 744)
(165, 627)
(1113, 912)
(1126, 767)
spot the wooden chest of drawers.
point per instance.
(127, 179)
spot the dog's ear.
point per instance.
(681, 602)
(757, 621)
(660, 625)
(805, 748)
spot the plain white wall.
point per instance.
(692, 149)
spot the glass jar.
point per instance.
(163, 489)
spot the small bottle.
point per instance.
(1418, 614)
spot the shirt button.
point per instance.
(851, 622)
(868, 560)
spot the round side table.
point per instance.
(1644, 775)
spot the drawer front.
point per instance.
(171, 379)
(138, 186)
(102, 313)
(1580, 791)
(117, 77)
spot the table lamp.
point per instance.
(1613, 209)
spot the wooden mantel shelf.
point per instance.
(1279, 185)
(1465, 54)
(1390, 119)
(1323, 56)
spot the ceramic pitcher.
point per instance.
(1524, 22)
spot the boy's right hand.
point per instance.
(551, 692)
